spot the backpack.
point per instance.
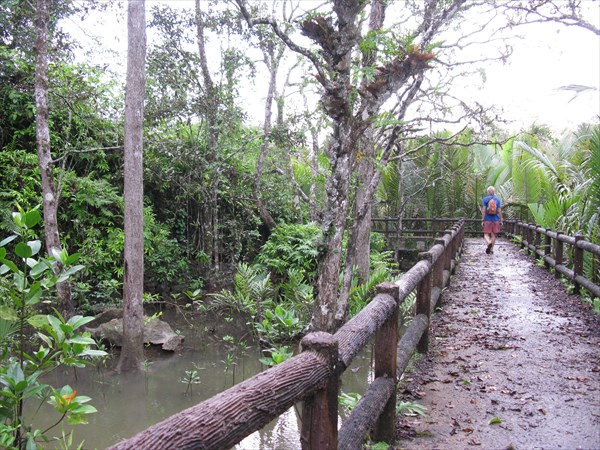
(492, 207)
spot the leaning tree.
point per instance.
(385, 70)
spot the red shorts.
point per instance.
(491, 227)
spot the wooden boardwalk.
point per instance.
(513, 363)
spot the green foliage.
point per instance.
(251, 288)
(378, 446)
(277, 355)
(296, 290)
(19, 180)
(279, 324)
(191, 377)
(382, 265)
(361, 294)
(164, 258)
(410, 409)
(348, 401)
(25, 279)
(289, 247)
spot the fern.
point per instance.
(360, 294)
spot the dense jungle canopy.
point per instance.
(360, 118)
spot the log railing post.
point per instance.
(558, 254)
(547, 248)
(537, 241)
(577, 262)
(424, 300)
(320, 412)
(438, 268)
(511, 227)
(447, 256)
(386, 355)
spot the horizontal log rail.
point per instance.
(549, 246)
(313, 375)
(420, 228)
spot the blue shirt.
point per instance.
(491, 217)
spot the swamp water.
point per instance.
(128, 403)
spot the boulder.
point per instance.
(156, 332)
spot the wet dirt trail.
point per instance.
(513, 361)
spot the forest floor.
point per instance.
(514, 361)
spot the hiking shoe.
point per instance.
(488, 250)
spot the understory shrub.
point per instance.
(35, 344)
(291, 247)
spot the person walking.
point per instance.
(491, 218)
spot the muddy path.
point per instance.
(514, 361)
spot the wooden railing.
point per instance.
(421, 228)
(313, 375)
(551, 249)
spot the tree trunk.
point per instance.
(359, 242)
(272, 63)
(49, 195)
(334, 226)
(132, 354)
(337, 102)
(212, 106)
(366, 167)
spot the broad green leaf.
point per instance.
(7, 313)
(82, 340)
(56, 326)
(30, 262)
(23, 250)
(9, 265)
(35, 246)
(46, 339)
(8, 239)
(84, 409)
(94, 353)
(65, 275)
(32, 218)
(72, 259)
(17, 219)
(31, 445)
(37, 321)
(35, 391)
(83, 399)
(57, 254)
(34, 294)
(76, 419)
(2, 253)
(78, 321)
(39, 268)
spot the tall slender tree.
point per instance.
(132, 354)
(49, 191)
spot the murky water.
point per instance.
(128, 403)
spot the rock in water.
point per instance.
(156, 332)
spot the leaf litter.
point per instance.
(528, 349)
